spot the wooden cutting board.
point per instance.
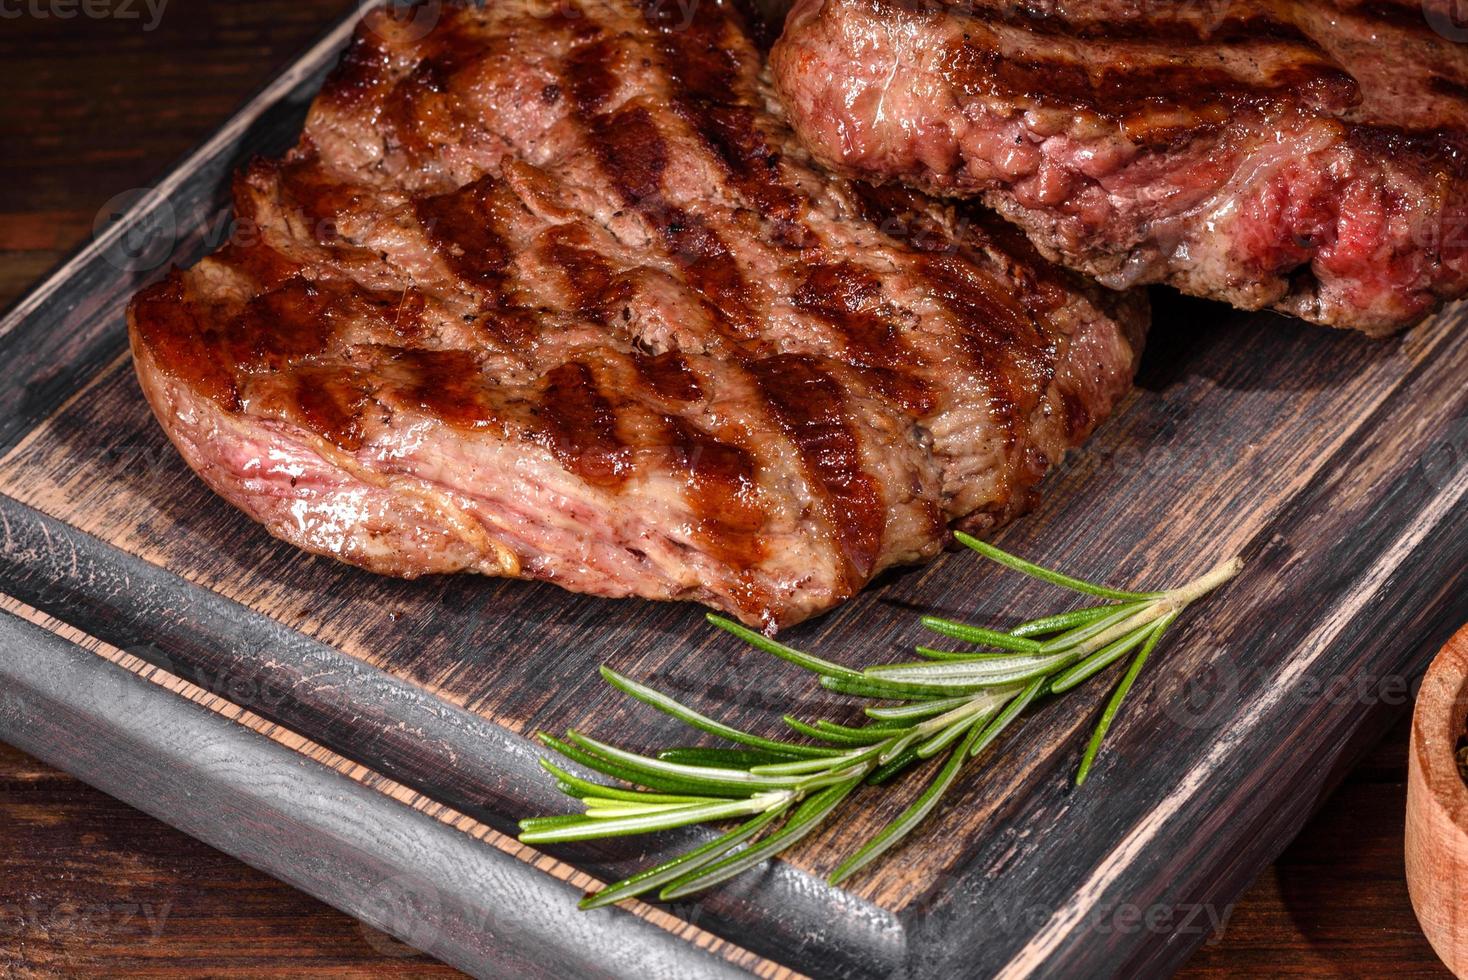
(367, 739)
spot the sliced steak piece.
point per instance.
(551, 292)
(1306, 155)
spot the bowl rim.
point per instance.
(1439, 720)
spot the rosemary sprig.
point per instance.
(953, 704)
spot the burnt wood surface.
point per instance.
(1337, 465)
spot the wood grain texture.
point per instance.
(1335, 904)
(1249, 433)
(98, 106)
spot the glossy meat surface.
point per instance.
(1306, 155)
(553, 293)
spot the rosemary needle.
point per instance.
(949, 704)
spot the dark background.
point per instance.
(101, 102)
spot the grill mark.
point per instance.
(720, 484)
(331, 403)
(463, 227)
(899, 213)
(633, 153)
(253, 258)
(270, 338)
(1004, 345)
(280, 327)
(905, 390)
(588, 75)
(406, 312)
(578, 425)
(364, 69)
(668, 375)
(752, 165)
(413, 107)
(181, 343)
(1165, 24)
(849, 298)
(710, 268)
(319, 197)
(1405, 14)
(723, 492)
(1147, 97)
(1002, 328)
(631, 150)
(1240, 31)
(1440, 149)
(1050, 81)
(1077, 415)
(1173, 32)
(705, 74)
(585, 273)
(510, 331)
(420, 112)
(1044, 286)
(447, 385)
(992, 315)
(810, 407)
(1448, 87)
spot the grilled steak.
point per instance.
(1306, 155)
(552, 293)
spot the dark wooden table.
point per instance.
(100, 105)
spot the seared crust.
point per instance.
(558, 297)
(1306, 155)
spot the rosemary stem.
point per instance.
(858, 771)
(980, 703)
(1169, 604)
(1195, 590)
(954, 703)
(1149, 614)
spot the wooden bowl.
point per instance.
(1437, 807)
